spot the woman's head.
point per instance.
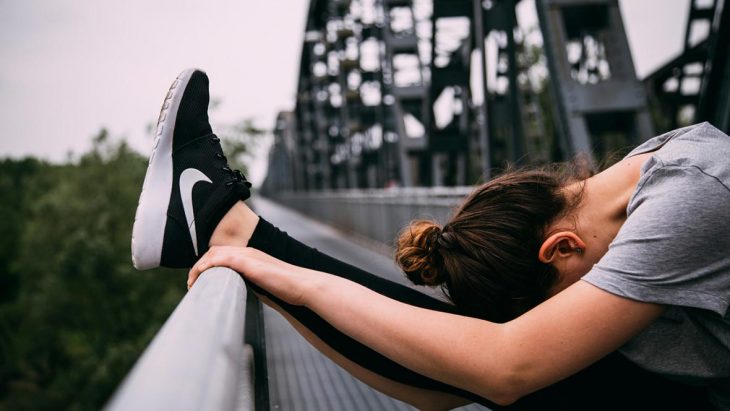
(486, 256)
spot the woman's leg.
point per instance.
(420, 398)
(241, 226)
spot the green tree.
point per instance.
(74, 314)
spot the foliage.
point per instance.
(239, 140)
(74, 314)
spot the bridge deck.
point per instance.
(300, 378)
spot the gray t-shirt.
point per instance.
(674, 249)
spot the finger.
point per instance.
(192, 276)
(236, 258)
(197, 269)
(214, 257)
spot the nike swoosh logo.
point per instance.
(188, 178)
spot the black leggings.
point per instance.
(609, 383)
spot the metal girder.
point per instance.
(344, 141)
(714, 104)
(675, 87)
(414, 116)
(692, 86)
(450, 68)
(595, 91)
(405, 89)
(505, 106)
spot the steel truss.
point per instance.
(438, 92)
(695, 86)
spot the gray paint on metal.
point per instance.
(197, 361)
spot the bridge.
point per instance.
(403, 105)
(428, 93)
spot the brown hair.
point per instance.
(486, 257)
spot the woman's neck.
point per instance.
(602, 209)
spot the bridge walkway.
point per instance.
(301, 378)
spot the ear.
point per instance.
(560, 245)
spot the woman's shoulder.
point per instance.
(672, 248)
(701, 149)
(702, 133)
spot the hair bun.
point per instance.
(417, 253)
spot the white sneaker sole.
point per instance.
(149, 221)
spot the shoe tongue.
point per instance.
(242, 189)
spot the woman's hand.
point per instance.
(281, 279)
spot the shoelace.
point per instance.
(236, 175)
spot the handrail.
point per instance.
(198, 359)
(376, 214)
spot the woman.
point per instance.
(546, 277)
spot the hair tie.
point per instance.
(433, 241)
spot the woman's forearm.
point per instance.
(449, 348)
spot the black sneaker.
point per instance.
(189, 186)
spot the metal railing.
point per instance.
(204, 356)
(377, 214)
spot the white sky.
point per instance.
(70, 67)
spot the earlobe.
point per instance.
(560, 244)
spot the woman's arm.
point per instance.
(501, 362)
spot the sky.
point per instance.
(71, 67)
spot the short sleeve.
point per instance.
(674, 247)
